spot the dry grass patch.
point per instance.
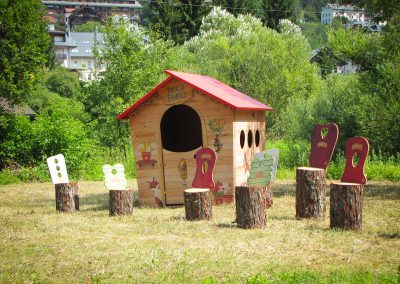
(158, 245)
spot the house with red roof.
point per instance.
(184, 113)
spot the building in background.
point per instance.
(58, 10)
(82, 57)
(74, 51)
(331, 11)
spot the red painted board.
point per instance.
(322, 147)
(355, 173)
(205, 163)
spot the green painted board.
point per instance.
(261, 170)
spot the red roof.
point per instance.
(207, 85)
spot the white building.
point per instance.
(82, 57)
(330, 11)
(346, 67)
(74, 51)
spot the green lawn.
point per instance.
(37, 244)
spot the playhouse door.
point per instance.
(181, 137)
(179, 172)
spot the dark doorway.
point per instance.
(181, 129)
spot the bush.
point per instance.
(291, 154)
(296, 154)
(88, 169)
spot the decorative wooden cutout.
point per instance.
(355, 173)
(183, 170)
(216, 126)
(155, 189)
(205, 163)
(58, 169)
(274, 153)
(114, 177)
(222, 192)
(145, 150)
(261, 170)
(322, 146)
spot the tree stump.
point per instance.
(346, 205)
(251, 207)
(121, 202)
(75, 190)
(310, 192)
(269, 196)
(197, 204)
(67, 197)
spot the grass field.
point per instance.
(39, 245)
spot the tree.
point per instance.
(378, 56)
(176, 20)
(258, 61)
(276, 10)
(339, 100)
(24, 47)
(237, 7)
(89, 26)
(63, 82)
(326, 60)
(135, 63)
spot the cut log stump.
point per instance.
(310, 192)
(74, 186)
(121, 202)
(251, 207)
(269, 196)
(197, 204)
(346, 205)
(67, 197)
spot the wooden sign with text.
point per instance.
(176, 93)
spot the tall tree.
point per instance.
(269, 66)
(274, 10)
(378, 56)
(177, 20)
(135, 63)
(237, 7)
(24, 46)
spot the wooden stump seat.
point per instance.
(310, 192)
(67, 197)
(198, 204)
(346, 196)
(251, 207)
(310, 181)
(346, 205)
(121, 202)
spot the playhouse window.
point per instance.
(242, 139)
(257, 138)
(250, 138)
(181, 129)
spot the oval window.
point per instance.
(242, 139)
(257, 138)
(250, 138)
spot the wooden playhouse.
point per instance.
(179, 116)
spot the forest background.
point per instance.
(246, 44)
